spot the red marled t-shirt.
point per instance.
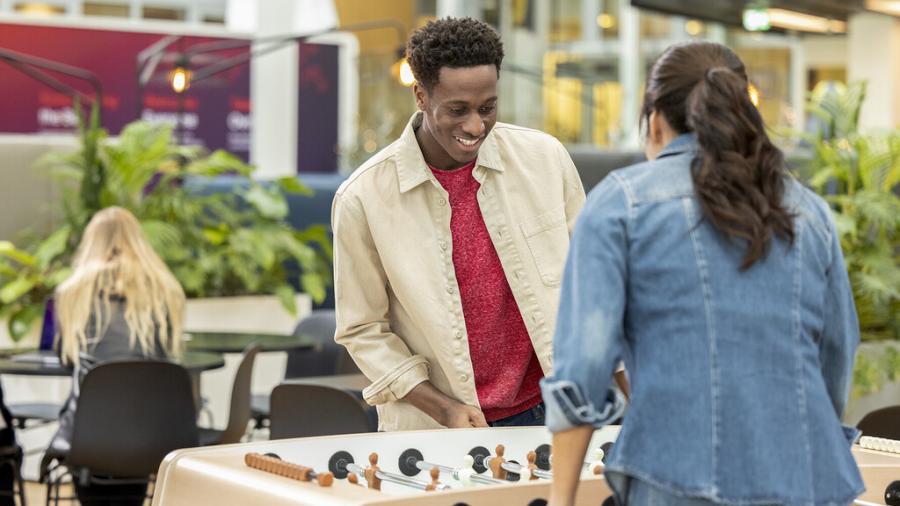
(507, 372)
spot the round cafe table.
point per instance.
(47, 363)
(235, 342)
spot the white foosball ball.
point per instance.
(879, 463)
(461, 467)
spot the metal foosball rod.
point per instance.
(531, 470)
(374, 476)
(464, 474)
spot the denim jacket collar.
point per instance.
(684, 143)
(411, 167)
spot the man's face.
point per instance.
(458, 114)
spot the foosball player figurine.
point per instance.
(597, 465)
(435, 474)
(532, 457)
(373, 481)
(496, 463)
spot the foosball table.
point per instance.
(460, 467)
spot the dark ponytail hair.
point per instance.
(739, 175)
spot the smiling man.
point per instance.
(450, 245)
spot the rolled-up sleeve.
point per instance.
(840, 333)
(361, 307)
(589, 335)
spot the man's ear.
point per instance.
(420, 94)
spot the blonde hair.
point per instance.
(114, 260)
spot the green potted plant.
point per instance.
(219, 244)
(859, 175)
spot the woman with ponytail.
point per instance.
(719, 281)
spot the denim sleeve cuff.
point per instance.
(396, 383)
(851, 433)
(567, 407)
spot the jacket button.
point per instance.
(443, 245)
(459, 334)
(535, 317)
(449, 289)
(441, 201)
(464, 377)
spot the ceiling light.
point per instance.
(606, 21)
(406, 74)
(403, 72)
(180, 79)
(756, 20)
(792, 20)
(38, 9)
(693, 27)
(890, 7)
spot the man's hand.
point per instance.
(446, 410)
(463, 416)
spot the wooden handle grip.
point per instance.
(287, 469)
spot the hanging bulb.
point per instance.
(180, 78)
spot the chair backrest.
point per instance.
(239, 414)
(329, 358)
(884, 422)
(130, 415)
(300, 410)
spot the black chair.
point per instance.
(239, 414)
(302, 410)
(884, 422)
(327, 359)
(11, 456)
(130, 415)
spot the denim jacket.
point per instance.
(739, 378)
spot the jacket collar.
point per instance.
(411, 167)
(684, 143)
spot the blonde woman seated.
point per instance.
(121, 302)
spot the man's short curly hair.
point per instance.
(452, 42)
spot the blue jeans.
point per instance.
(529, 417)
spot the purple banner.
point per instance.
(213, 112)
(317, 131)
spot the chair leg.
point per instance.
(21, 483)
(17, 476)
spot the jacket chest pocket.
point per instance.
(547, 237)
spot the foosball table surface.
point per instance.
(220, 475)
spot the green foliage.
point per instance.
(220, 244)
(858, 174)
(874, 368)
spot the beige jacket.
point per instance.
(398, 308)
